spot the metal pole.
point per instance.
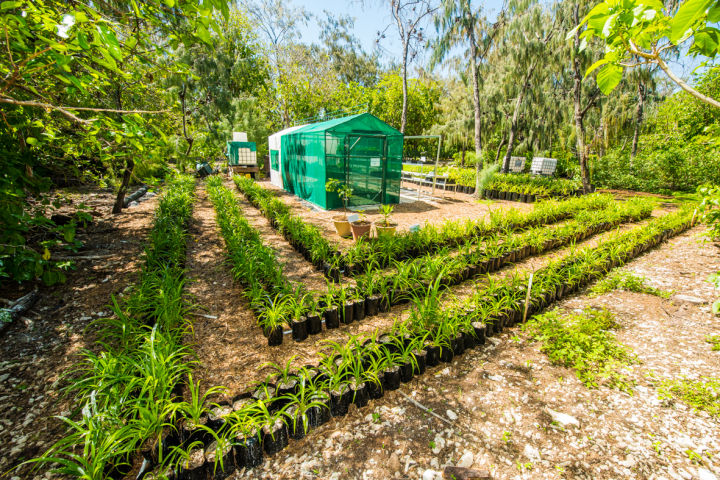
(437, 161)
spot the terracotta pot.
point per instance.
(342, 226)
(360, 229)
(384, 230)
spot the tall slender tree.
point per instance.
(529, 31)
(459, 24)
(409, 17)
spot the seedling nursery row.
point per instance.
(130, 405)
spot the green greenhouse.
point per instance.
(360, 150)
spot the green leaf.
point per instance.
(170, 3)
(609, 77)
(9, 5)
(688, 13)
(595, 65)
(706, 41)
(31, 141)
(714, 13)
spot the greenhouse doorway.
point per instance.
(366, 168)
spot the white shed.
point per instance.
(276, 154)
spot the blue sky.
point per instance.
(374, 16)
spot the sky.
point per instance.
(374, 15)
(369, 18)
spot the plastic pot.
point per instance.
(287, 387)
(469, 341)
(420, 359)
(359, 310)
(391, 379)
(275, 336)
(212, 458)
(432, 355)
(385, 230)
(342, 226)
(446, 354)
(318, 415)
(479, 332)
(406, 371)
(372, 305)
(457, 344)
(193, 468)
(314, 324)
(299, 329)
(332, 319)
(216, 416)
(275, 437)
(346, 316)
(360, 229)
(360, 394)
(340, 399)
(191, 432)
(375, 390)
(295, 423)
(248, 451)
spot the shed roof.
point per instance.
(364, 122)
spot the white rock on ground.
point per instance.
(466, 460)
(563, 418)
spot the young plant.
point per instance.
(343, 190)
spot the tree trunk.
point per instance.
(497, 154)
(638, 118)
(129, 164)
(579, 114)
(516, 116)
(119, 200)
(403, 115)
(476, 107)
(188, 138)
(462, 158)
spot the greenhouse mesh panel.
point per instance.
(359, 150)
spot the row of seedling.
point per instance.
(305, 312)
(289, 403)
(126, 389)
(381, 252)
(306, 238)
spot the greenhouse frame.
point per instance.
(359, 150)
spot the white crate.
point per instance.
(543, 166)
(517, 164)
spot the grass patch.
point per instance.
(714, 340)
(628, 281)
(584, 342)
(703, 394)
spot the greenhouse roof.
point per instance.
(366, 122)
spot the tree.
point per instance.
(409, 16)
(529, 31)
(458, 24)
(351, 63)
(278, 20)
(642, 32)
(584, 94)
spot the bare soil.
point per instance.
(46, 344)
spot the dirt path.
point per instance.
(499, 399)
(38, 349)
(297, 268)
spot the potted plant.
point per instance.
(361, 227)
(344, 191)
(386, 228)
